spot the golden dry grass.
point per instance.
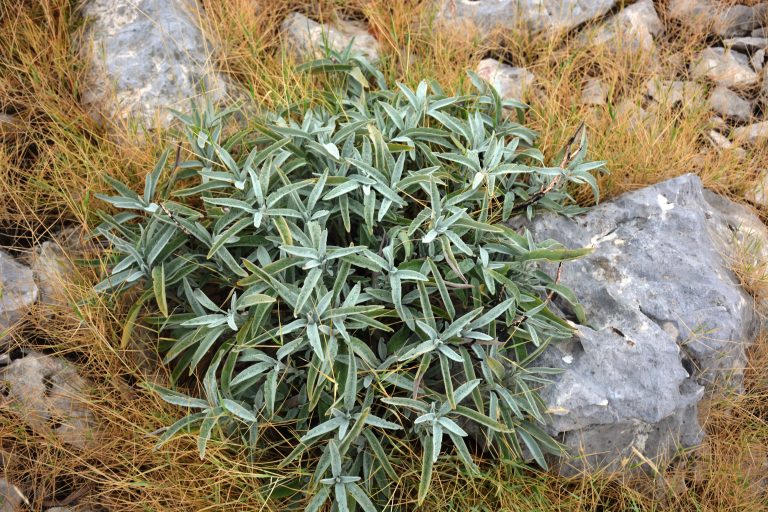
(52, 157)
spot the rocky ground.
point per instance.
(673, 292)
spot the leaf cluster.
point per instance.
(346, 270)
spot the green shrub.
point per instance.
(345, 271)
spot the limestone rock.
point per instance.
(146, 56)
(715, 16)
(633, 28)
(51, 266)
(70, 509)
(549, 16)
(595, 92)
(721, 143)
(729, 104)
(746, 44)
(764, 89)
(17, 292)
(636, 115)
(674, 92)
(758, 63)
(49, 395)
(759, 195)
(728, 68)
(753, 133)
(666, 318)
(512, 83)
(11, 497)
(306, 38)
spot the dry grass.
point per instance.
(52, 156)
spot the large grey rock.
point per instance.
(512, 83)
(17, 292)
(633, 28)
(306, 39)
(49, 395)
(729, 104)
(550, 16)
(724, 67)
(146, 56)
(667, 319)
(717, 17)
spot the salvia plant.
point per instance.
(344, 276)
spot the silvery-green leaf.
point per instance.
(238, 410)
(451, 426)
(323, 428)
(360, 497)
(319, 499)
(375, 421)
(340, 492)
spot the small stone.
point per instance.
(636, 115)
(11, 497)
(146, 57)
(759, 194)
(512, 83)
(723, 67)
(735, 20)
(730, 105)
(674, 92)
(746, 44)
(49, 396)
(306, 38)
(18, 292)
(717, 122)
(758, 62)
(51, 268)
(764, 89)
(633, 28)
(753, 133)
(719, 140)
(722, 143)
(760, 32)
(595, 92)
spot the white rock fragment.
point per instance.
(759, 194)
(49, 395)
(746, 44)
(18, 292)
(512, 83)
(594, 92)
(753, 133)
(633, 28)
(729, 104)
(674, 92)
(728, 68)
(307, 39)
